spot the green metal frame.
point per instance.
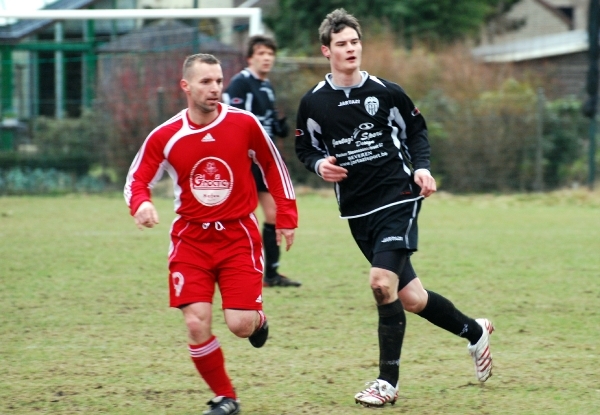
(6, 83)
(6, 68)
(89, 60)
(87, 48)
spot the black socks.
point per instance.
(392, 323)
(271, 250)
(441, 312)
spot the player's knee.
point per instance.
(414, 301)
(381, 291)
(379, 277)
(241, 327)
(197, 327)
(241, 331)
(381, 294)
(381, 285)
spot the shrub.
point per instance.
(21, 181)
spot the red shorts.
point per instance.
(227, 253)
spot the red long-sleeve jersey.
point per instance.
(210, 168)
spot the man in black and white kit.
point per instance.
(365, 135)
(252, 91)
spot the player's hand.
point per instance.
(330, 172)
(426, 182)
(288, 234)
(146, 215)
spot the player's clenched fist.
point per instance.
(146, 215)
(330, 172)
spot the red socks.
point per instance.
(210, 363)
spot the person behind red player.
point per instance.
(207, 150)
(250, 89)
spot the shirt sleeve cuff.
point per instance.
(317, 164)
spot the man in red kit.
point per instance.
(208, 150)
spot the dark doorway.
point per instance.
(47, 103)
(73, 84)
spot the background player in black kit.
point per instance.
(365, 135)
(251, 90)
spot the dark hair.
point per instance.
(335, 22)
(257, 40)
(199, 57)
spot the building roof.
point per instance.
(23, 28)
(555, 11)
(534, 48)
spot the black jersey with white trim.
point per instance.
(374, 131)
(247, 92)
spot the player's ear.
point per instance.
(325, 51)
(184, 85)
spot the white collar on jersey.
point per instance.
(186, 122)
(329, 78)
(364, 76)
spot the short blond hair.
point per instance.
(198, 57)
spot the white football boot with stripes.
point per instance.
(378, 393)
(480, 351)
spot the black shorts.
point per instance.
(258, 179)
(393, 261)
(388, 229)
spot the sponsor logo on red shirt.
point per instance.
(211, 181)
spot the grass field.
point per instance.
(85, 327)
